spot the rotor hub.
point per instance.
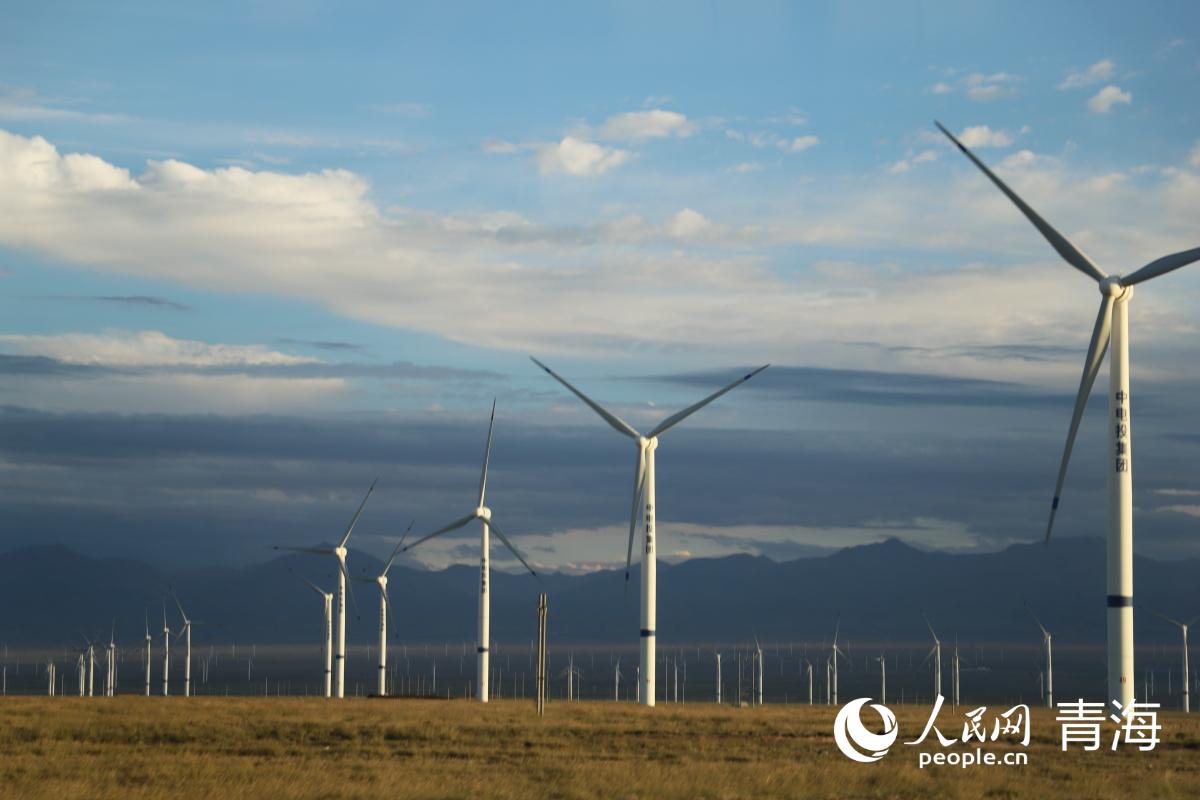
(484, 513)
(1111, 286)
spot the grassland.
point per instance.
(133, 747)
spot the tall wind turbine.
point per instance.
(882, 678)
(166, 687)
(1111, 330)
(758, 657)
(339, 553)
(1046, 646)
(327, 641)
(484, 515)
(718, 655)
(110, 663)
(834, 652)
(1187, 676)
(644, 485)
(186, 633)
(147, 652)
(385, 612)
(936, 655)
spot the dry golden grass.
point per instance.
(133, 747)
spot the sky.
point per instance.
(254, 255)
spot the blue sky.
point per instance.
(371, 214)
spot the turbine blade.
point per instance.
(1091, 366)
(1069, 252)
(680, 416)
(175, 597)
(387, 605)
(618, 424)
(494, 528)
(396, 549)
(929, 625)
(349, 587)
(313, 586)
(1038, 621)
(1161, 266)
(323, 551)
(458, 523)
(487, 456)
(354, 520)
(639, 485)
(1174, 622)
(836, 627)
(932, 650)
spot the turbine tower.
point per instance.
(1046, 645)
(882, 679)
(327, 640)
(835, 651)
(385, 612)
(644, 486)
(718, 655)
(147, 652)
(166, 652)
(186, 633)
(484, 515)
(110, 663)
(1187, 676)
(936, 655)
(339, 553)
(1111, 330)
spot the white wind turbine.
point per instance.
(882, 678)
(1046, 646)
(617, 681)
(186, 633)
(166, 687)
(718, 655)
(484, 515)
(110, 663)
(758, 656)
(936, 655)
(1187, 676)
(147, 652)
(385, 611)
(339, 552)
(834, 652)
(327, 641)
(644, 485)
(1111, 329)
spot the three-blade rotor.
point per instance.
(1112, 288)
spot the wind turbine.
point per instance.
(1187, 676)
(327, 642)
(147, 652)
(1046, 645)
(186, 633)
(936, 655)
(385, 612)
(644, 485)
(617, 681)
(339, 553)
(110, 663)
(957, 696)
(758, 655)
(91, 668)
(1111, 329)
(718, 655)
(484, 515)
(882, 678)
(835, 651)
(808, 668)
(166, 652)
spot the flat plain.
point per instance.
(136, 747)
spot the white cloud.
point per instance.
(574, 156)
(799, 144)
(1194, 155)
(982, 136)
(941, 88)
(747, 166)
(653, 124)
(1100, 71)
(24, 105)
(900, 167)
(1106, 98)
(145, 349)
(1189, 510)
(498, 147)
(688, 224)
(1177, 492)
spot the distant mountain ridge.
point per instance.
(49, 595)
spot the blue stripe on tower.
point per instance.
(1120, 601)
(481, 649)
(647, 632)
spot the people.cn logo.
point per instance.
(858, 743)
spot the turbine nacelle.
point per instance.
(341, 553)
(483, 513)
(1112, 288)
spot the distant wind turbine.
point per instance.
(327, 641)
(882, 678)
(166, 632)
(186, 633)
(834, 652)
(147, 652)
(1046, 647)
(484, 515)
(339, 552)
(385, 612)
(644, 485)
(1111, 329)
(936, 655)
(1187, 676)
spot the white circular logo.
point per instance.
(856, 741)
